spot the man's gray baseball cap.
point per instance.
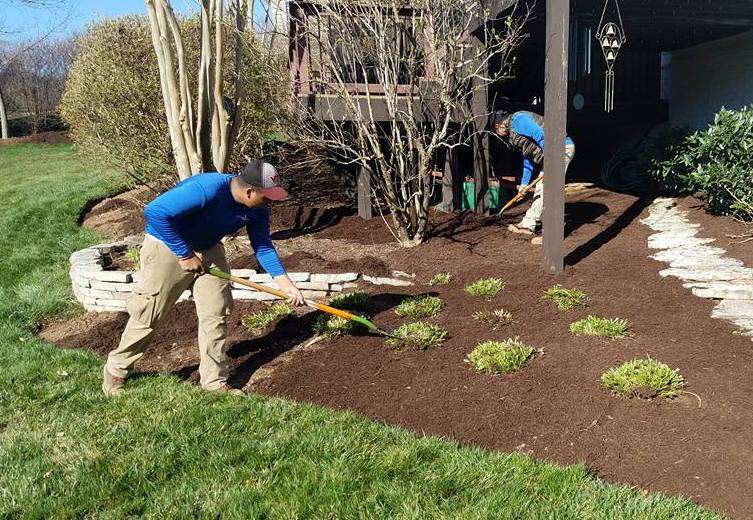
(263, 176)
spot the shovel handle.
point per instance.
(521, 194)
(276, 292)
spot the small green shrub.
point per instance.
(566, 299)
(716, 162)
(441, 279)
(334, 326)
(499, 357)
(497, 318)
(257, 322)
(644, 378)
(420, 307)
(133, 255)
(418, 336)
(612, 328)
(486, 288)
(352, 301)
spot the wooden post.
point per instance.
(364, 194)
(450, 191)
(555, 125)
(480, 143)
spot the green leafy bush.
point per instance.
(420, 307)
(334, 326)
(499, 357)
(418, 336)
(566, 299)
(113, 99)
(612, 328)
(644, 378)
(486, 288)
(716, 162)
(440, 279)
(497, 318)
(133, 255)
(257, 322)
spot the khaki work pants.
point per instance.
(162, 282)
(532, 217)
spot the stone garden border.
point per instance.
(107, 291)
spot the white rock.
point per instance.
(111, 286)
(386, 281)
(350, 285)
(313, 286)
(252, 295)
(186, 295)
(734, 309)
(80, 281)
(242, 273)
(722, 290)
(85, 256)
(335, 278)
(709, 275)
(136, 276)
(102, 295)
(113, 276)
(300, 277)
(671, 241)
(336, 287)
(111, 303)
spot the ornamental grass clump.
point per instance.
(420, 307)
(440, 279)
(417, 336)
(486, 288)
(612, 328)
(643, 378)
(258, 322)
(496, 319)
(499, 357)
(334, 326)
(566, 299)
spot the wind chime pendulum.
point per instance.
(611, 38)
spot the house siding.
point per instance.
(710, 76)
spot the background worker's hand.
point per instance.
(192, 264)
(288, 287)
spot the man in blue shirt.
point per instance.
(524, 131)
(184, 229)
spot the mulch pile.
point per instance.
(697, 445)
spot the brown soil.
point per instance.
(40, 138)
(697, 445)
(120, 216)
(315, 263)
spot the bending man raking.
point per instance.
(184, 229)
(524, 131)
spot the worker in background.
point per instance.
(184, 227)
(524, 131)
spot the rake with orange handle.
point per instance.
(521, 194)
(314, 305)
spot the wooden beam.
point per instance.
(451, 182)
(364, 194)
(555, 125)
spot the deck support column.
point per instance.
(555, 123)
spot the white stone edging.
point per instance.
(706, 271)
(107, 291)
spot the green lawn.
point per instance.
(166, 449)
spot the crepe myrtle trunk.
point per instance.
(3, 118)
(202, 136)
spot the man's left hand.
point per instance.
(294, 294)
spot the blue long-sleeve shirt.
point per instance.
(523, 124)
(199, 211)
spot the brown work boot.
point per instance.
(514, 228)
(225, 388)
(111, 385)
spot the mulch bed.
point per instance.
(697, 445)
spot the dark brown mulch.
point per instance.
(554, 407)
(40, 138)
(313, 262)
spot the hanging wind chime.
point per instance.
(611, 38)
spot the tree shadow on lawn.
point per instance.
(250, 355)
(313, 220)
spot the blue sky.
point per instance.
(23, 21)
